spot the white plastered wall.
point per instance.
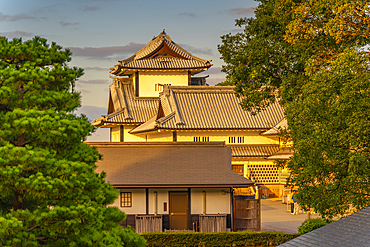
(138, 202)
(115, 134)
(216, 201)
(147, 81)
(250, 137)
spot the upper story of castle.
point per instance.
(161, 62)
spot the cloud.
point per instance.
(188, 14)
(213, 70)
(16, 17)
(96, 68)
(105, 52)
(93, 81)
(17, 34)
(214, 81)
(83, 91)
(102, 0)
(65, 24)
(91, 112)
(242, 11)
(89, 8)
(193, 49)
(100, 135)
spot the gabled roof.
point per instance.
(124, 107)
(253, 150)
(284, 154)
(168, 164)
(282, 125)
(353, 230)
(161, 53)
(208, 108)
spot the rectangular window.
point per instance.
(126, 199)
(233, 139)
(238, 169)
(159, 87)
(201, 138)
(196, 138)
(240, 139)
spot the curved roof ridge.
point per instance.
(155, 43)
(147, 57)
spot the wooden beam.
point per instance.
(147, 200)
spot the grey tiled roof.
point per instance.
(168, 164)
(254, 150)
(163, 63)
(282, 125)
(161, 53)
(209, 107)
(125, 107)
(353, 230)
(283, 154)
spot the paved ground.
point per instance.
(275, 217)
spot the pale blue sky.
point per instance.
(101, 32)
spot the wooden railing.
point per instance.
(148, 223)
(212, 223)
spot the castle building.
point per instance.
(156, 97)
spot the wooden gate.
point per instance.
(247, 214)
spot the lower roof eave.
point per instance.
(256, 129)
(97, 124)
(143, 132)
(111, 123)
(118, 186)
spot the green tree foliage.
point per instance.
(259, 60)
(312, 224)
(50, 192)
(326, 96)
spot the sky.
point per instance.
(101, 32)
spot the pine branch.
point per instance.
(30, 229)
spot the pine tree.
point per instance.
(50, 192)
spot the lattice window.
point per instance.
(240, 139)
(238, 169)
(263, 173)
(234, 139)
(201, 138)
(159, 87)
(126, 199)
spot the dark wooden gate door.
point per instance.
(178, 210)
(247, 214)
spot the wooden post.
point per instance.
(204, 203)
(232, 208)
(155, 202)
(147, 201)
(189, 209)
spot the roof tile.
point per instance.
(168, 164)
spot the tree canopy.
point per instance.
(50, 192)
(311, 55)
